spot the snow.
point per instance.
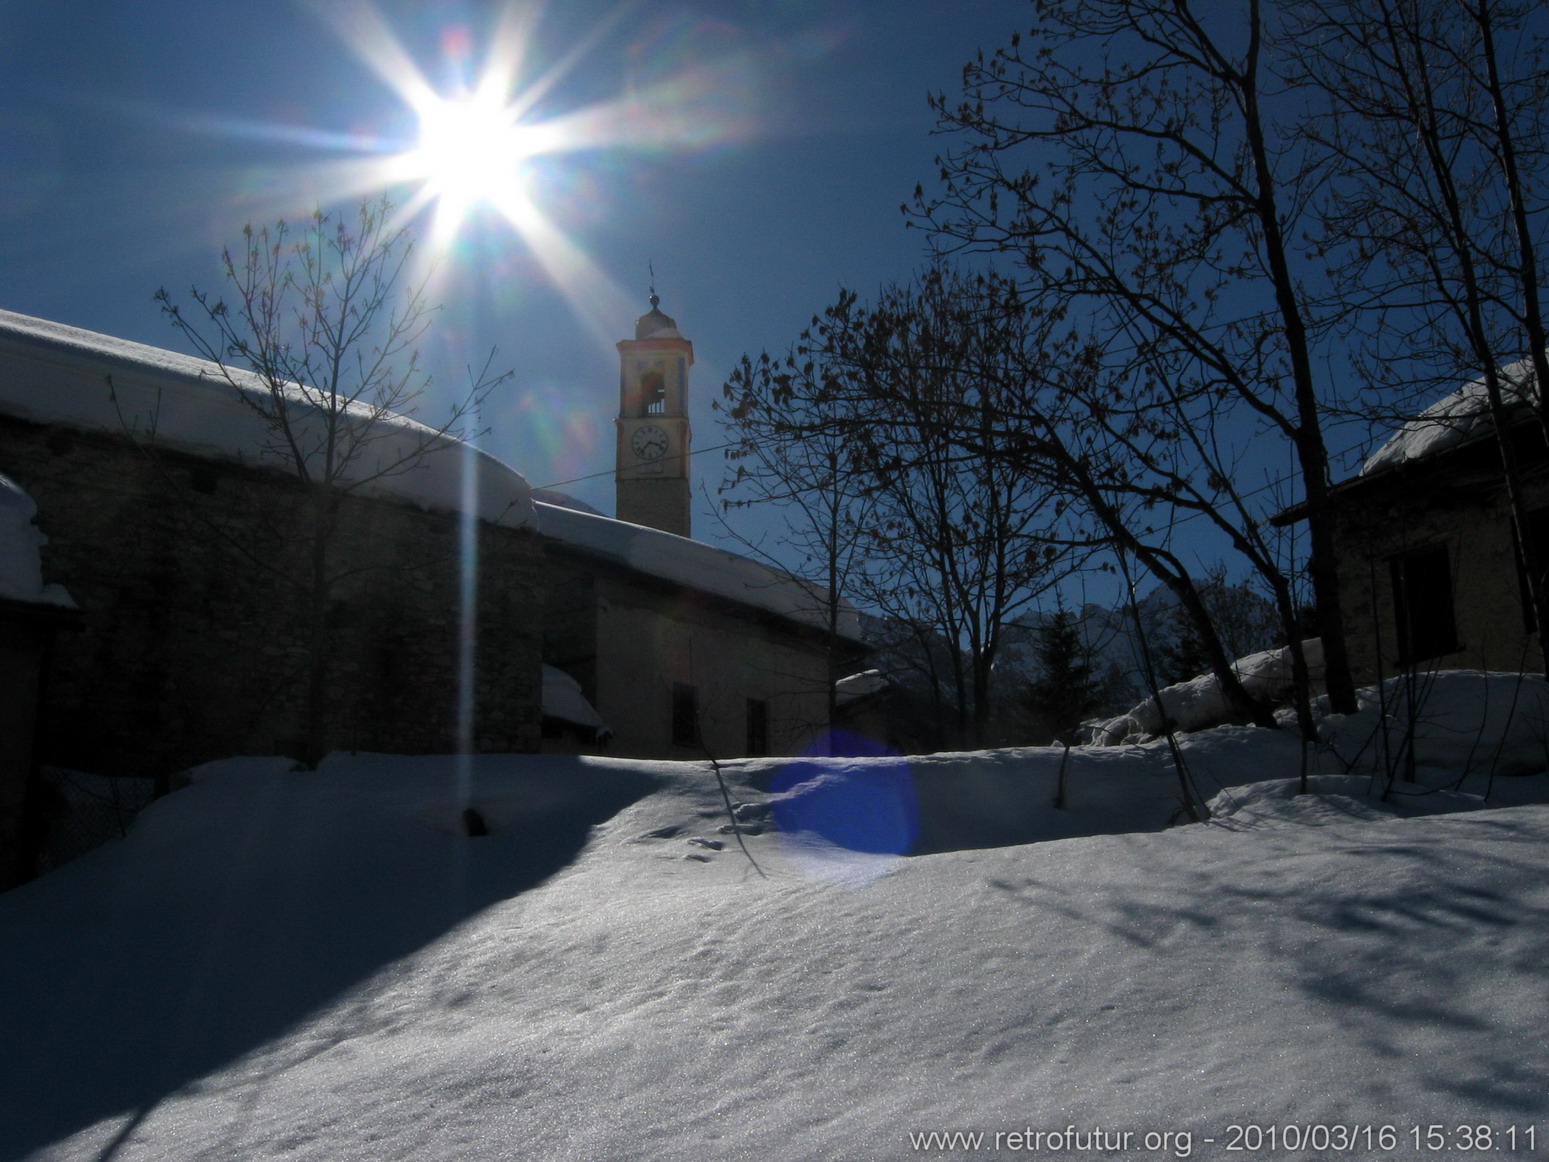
(1201, 702)
(562, 699)
(697, 565)
(563, 500)
(56, 374)
(1463, 723)
(854, 687)
(21, 571)
(323, 966)
(1454, 420)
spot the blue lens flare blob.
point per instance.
(862, 803)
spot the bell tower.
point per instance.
(653, 431)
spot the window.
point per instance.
(758, 726)
(1422, 604)
(685, 714)
(653, 392)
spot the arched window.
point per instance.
(653, 392)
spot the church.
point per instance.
(164, 522)
(682, 649)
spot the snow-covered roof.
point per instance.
(696, 566)
(564, 500)
(1460, 417)
(563, 699)
(51, 373)
(21, 573)
(854, 687)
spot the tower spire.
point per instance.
(652, 472)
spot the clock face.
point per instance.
(649, 442)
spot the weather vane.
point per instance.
(655, 301)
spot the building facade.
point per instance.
(653, 446)
(175, 532)
(1431, 572)
(687, 651)
(177, 539)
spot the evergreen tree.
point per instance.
(1068, 688)
(1180, 655)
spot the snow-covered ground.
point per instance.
(324, 966)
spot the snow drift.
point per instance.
(1200, 702)
(326, 967)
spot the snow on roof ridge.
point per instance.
(191, 404)
(697, 565)
(1454, 419)
(854, 687)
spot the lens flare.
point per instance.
(846, 816)
(481, 143)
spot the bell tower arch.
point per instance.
(653, 431)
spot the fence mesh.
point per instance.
(85, 811)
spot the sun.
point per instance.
(473, 150)
(501, 137)
(469, 149)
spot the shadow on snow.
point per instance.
(259, 900)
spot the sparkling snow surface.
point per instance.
(187, 404)
(322, 966)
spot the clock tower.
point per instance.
(653, 431)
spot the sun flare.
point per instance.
(468, 149)
(474, 150)
(503, 140)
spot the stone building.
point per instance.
(173, 531)
(32, 615)
(686, 650)
(652, 465)
(1431, 574)
(171, 524)
(683, 649)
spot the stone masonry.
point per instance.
(190, 577)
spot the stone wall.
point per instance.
(629, 638)
(27, 632)
(191, 576)
(1465, 511)
(656, 504)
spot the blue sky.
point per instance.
(780, 139)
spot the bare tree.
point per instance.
(904, 396)
(1436, 142)
(1126, 155)
(318, 338)
(1245, 621)
(807, 472)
